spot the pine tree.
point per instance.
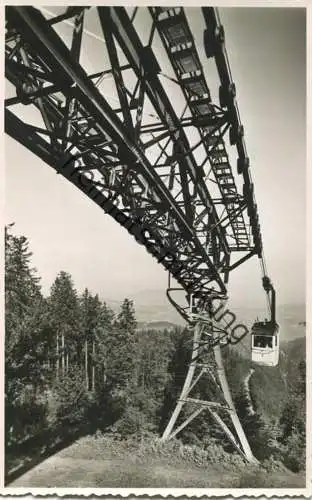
(103, 332)
(21, 285)
(126, 319)
(25, 338)
(121, 347)
(65, 321)
(90, 312)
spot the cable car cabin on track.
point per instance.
(265, 334)
(265, 343)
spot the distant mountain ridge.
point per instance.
(150, 306)
(156, 325)
(153, 306)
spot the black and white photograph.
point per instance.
(155, 248)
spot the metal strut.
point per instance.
(199, 366)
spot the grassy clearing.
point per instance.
(101, 461)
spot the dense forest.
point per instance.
(71, 361)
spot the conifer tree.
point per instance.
(121, 349)
(65, 321)
(90, 312)
(25, 336)
(103, 331)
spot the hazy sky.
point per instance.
(266, 48)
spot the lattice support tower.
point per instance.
(206, 359)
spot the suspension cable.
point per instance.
(264, 274)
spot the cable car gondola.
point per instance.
(264, 334)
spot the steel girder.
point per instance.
(147, 170)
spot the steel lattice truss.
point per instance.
(161, 170)
(134, 125)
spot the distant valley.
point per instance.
(153, 310)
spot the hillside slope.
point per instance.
(269, 385)
(103, 462)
